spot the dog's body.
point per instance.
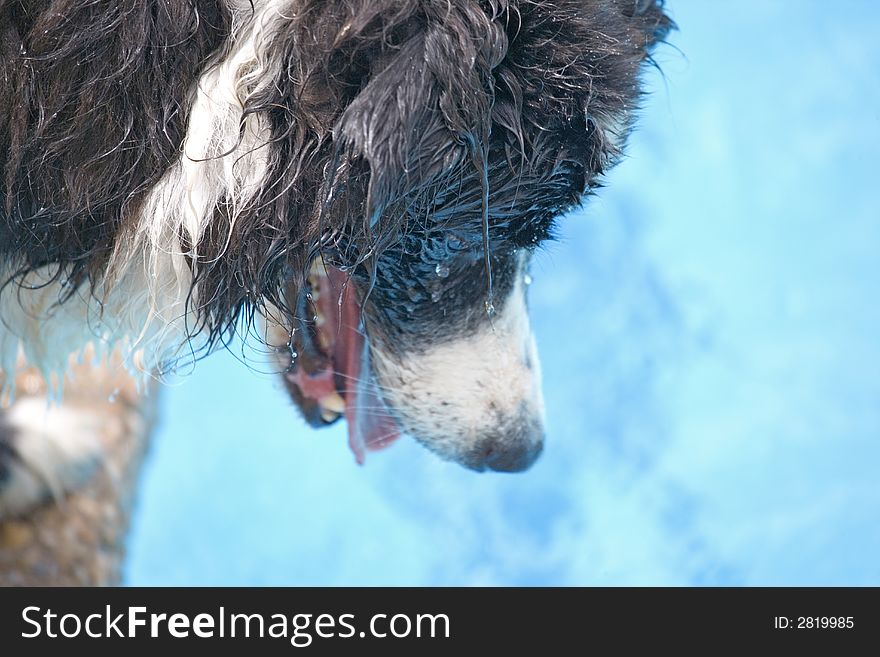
(361, 183)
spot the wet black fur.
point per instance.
(404, 133)
(94, 100)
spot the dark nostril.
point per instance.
(516, 457)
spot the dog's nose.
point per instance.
(514, 459)
(513, 449)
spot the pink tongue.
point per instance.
(370, 427)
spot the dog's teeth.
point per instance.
(329, 416)
(333, 402)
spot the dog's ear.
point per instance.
(471, 76)
(427, 108)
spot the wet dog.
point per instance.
(360, 183)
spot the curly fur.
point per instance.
(171, 170)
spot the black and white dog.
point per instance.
(361, 183)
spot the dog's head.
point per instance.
(466, 129)
(372, 175)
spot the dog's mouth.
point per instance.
(329, 374)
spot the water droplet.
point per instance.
(490, 308)
(442, 270)
(527, 279)
(291, 364)
(113, 396)
(435, 295)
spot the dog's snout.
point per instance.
(475, 398)
(512, 450)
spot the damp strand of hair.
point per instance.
(483, 164)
